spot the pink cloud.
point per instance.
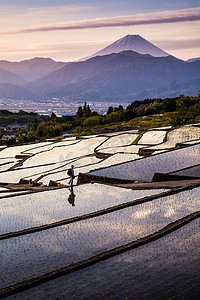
(70, 47)
(142, 19)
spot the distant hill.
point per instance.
(116, 76)
(171, 89)
(193, 59)
(10, 77)
(12, 91)
(131, 42)
(32, 69)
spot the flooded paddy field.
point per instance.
(164, 269)
(99, 240)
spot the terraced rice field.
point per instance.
(99, 241)
(191, 172)
(143, 169)
(37, 253)
(135, 273)
(152, 137)
(38, 209)
(180, 135)
(118, 140)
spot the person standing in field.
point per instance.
(70, 172)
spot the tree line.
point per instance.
(180, 110)
(185, 110)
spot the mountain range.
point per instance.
(31, 69)
(193, 59)
(130, 68)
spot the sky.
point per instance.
(69, 30)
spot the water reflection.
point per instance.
(71, 198)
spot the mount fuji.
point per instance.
(134, 43)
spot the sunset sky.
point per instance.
(69, 30)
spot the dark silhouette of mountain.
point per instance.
(116, 76)
(130, 42)
(193, 59)
(32, 69)
(10, 77)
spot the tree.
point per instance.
(40, 131)
(22, 139)
(134, 104)
(31, 137)
(67, 119)
(115, 117)
(130, 114)
(185, 102)
(11, 141)
(88, 110)
(53, 116)
(4, 112)
(85, 108)
(92, 121)
(120, 108)
(169, 104)
(34, 125)
(22, 112)
(79, 112)
(110, 110)
(141, 110)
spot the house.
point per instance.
(8, 133)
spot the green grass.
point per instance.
(135, 142)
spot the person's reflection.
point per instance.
(71, 198)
